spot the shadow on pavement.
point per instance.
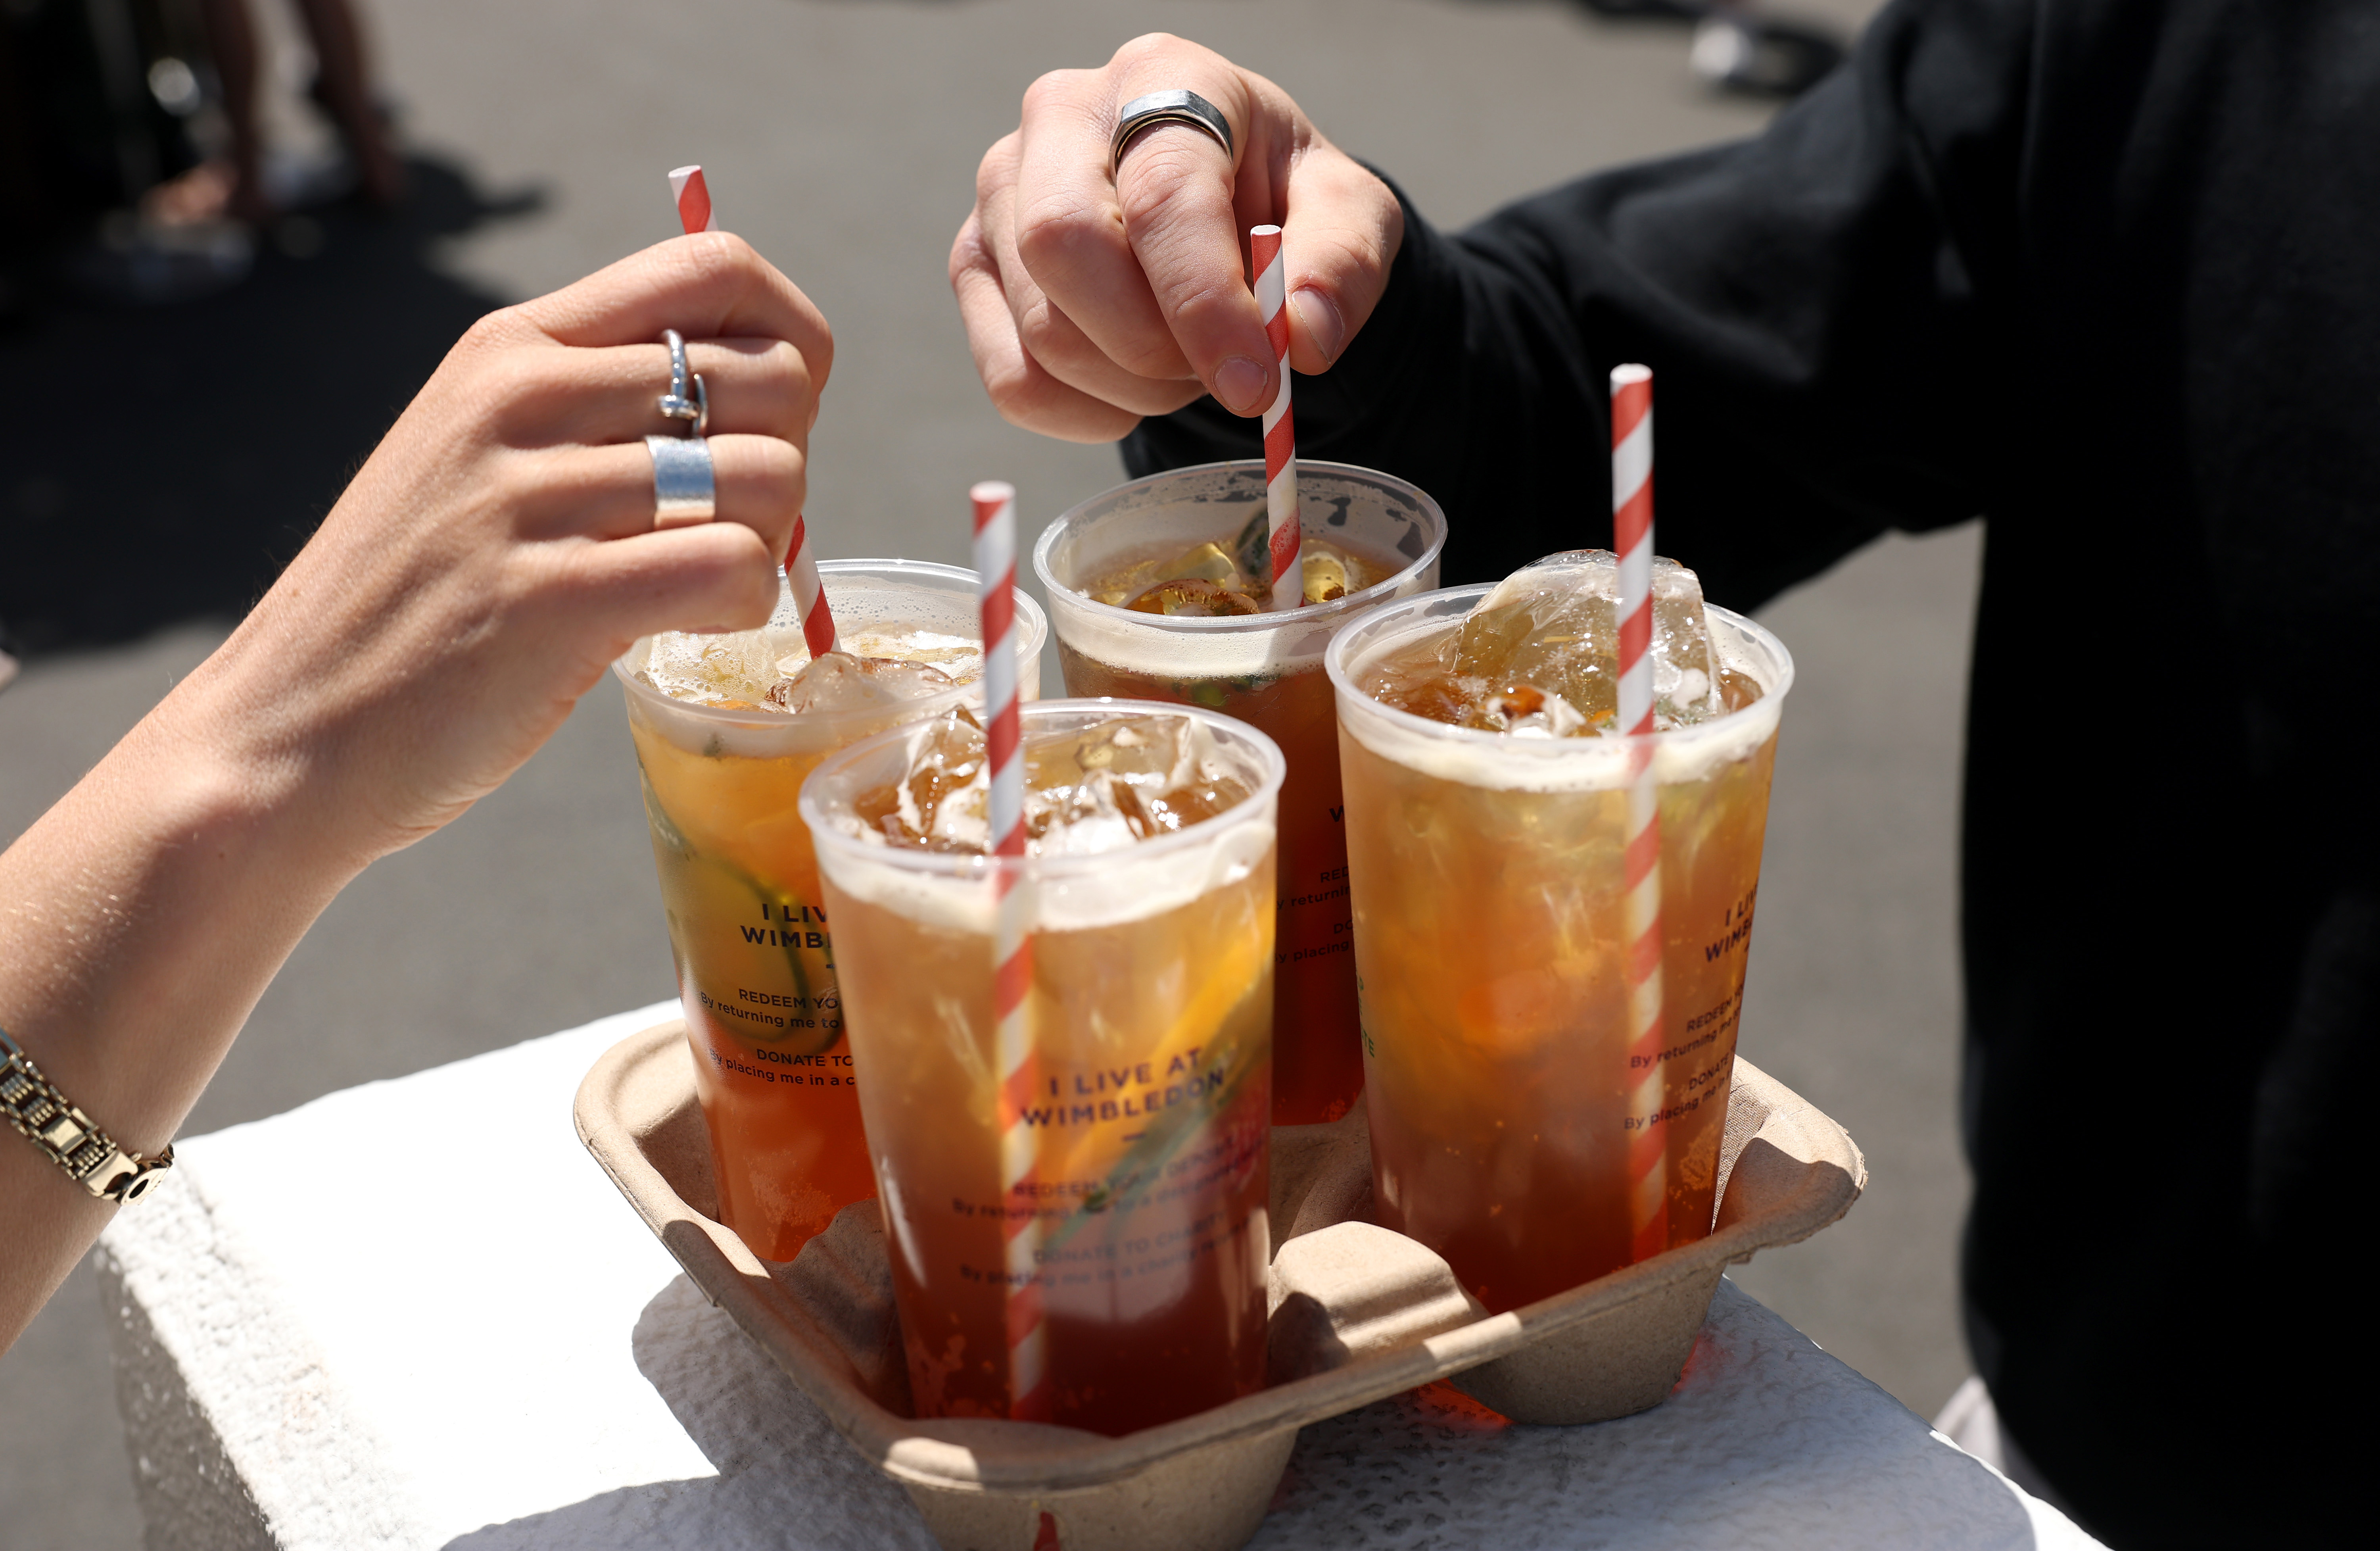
(162, 464)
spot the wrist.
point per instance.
(142, 916)
(231, 789)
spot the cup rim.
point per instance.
(825, 837)
(1304, 614)
(1029, 613)
(1334, 662)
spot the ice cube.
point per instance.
(1199, 599)
(1553, 626)
(1099, 788)
(1206, 562)
(941, 799)
(961, 656)
(1132, 778)
(839, 681)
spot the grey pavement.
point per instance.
(842, 137)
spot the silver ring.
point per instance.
(684, 491)
(1168, 107)
(674, 404)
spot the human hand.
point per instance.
(498, 550)
(494, 554)
(1093, 298)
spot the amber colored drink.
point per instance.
(1265, 669)
(1150, 1019)
(722, 771)
(1487, 877)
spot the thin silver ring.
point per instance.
(676, 404)
(684, 489)
(1168, 107)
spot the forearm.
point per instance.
(497, 550)
(140, 918)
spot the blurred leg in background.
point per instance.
(342, 88)
(234, 184)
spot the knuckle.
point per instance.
(1054, 89)
(511, 482)
(723, 254)
(819, 359)
(1168, 175)
(1060, 230)
(1153, 359)
(1148, 47)
(966, 250)
(785, 371)
(489, 332)
(778, 464)
(998, 168)
(1046, 333)
(712, 263)
(518, 387)
(1019, 394)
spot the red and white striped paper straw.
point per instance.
(809, 597)
(1632, 537)
(692, 195)
(1012, 944)
(1279, 430)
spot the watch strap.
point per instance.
(51, 1121)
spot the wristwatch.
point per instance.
(50, 1120)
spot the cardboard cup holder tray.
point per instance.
(1358, 1313)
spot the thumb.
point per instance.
(1341, 233)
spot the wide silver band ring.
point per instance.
(1168, 107)
(683, 490)
(677, 404)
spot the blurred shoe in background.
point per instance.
(1765, 55)
(1742, 46)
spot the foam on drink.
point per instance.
(755, 670)
(1150, 848)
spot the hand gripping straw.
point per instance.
(1012, 944)
(1632, 536)
(1280, 431)
(692, 194)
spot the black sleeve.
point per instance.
(1815, 305)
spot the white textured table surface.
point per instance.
(470, 1342)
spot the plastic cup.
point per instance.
(1487, 877)
(747, 924)
(1145, 1101)
(1265, 669)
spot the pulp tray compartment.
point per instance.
(1358, 1313)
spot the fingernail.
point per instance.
(1322, 323)
(1240, 384)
